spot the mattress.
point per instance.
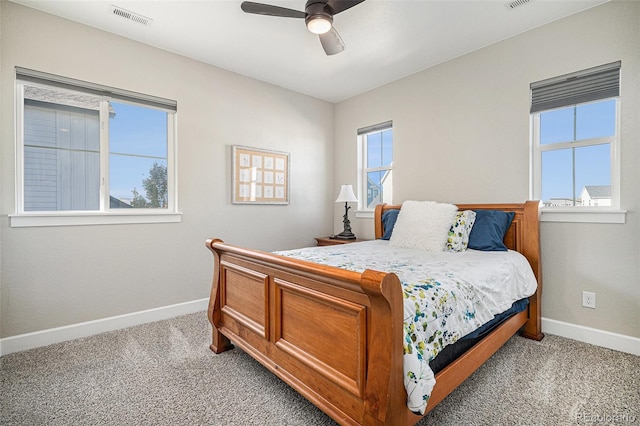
(451, 352)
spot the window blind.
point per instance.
(375, 128)
(588, 85)
(38, 77)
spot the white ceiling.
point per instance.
(385, 39)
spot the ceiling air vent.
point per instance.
(516, 3)
(135, 17)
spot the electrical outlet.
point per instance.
(589, 299)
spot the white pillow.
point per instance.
(423, 225)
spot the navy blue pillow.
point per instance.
(489, 229)
(389, 220)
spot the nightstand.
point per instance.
(328, 241)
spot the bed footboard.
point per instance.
(333, 335)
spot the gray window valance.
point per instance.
(588, 85)
(33, 76)
(375, 128)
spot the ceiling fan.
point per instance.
(318, 15)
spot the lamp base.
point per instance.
(344, 236)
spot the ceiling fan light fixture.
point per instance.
(317, 15)
(319, 24)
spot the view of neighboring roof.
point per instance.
(116, 203)
(56, 96)
(65, 97)
(598, 191)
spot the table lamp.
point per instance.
(346, 196)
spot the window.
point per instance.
(375, 183)
(575, 140)
(92, 154)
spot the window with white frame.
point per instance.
(89, 150)
(375, 182)
(575, 139)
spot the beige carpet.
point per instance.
(164, 374)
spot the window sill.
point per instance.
(583, 215)
(366, 214)
(86, 218)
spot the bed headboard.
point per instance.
(513, 239)
(523, 236)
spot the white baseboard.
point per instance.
(606, 339)
(62, 334)
(37, 339)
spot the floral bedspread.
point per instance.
(446, 296)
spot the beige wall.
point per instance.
(461, 134)
(57, 276)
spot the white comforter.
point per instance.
(446, 296)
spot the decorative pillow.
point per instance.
(388, 221)
(423, 225)
(460, 230)
(489, 229)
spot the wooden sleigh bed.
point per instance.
(350, 365)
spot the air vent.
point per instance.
(124, 13)
(517, 3)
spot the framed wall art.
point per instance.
(260, 176)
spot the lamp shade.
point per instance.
(346, 195)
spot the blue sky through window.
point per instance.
(588, 165)
(379, 154)
(380, 149)
(137, 139)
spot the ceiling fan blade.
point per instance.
(331, 42)
(341, 5)
(267, 9)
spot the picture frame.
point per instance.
(259, 176)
